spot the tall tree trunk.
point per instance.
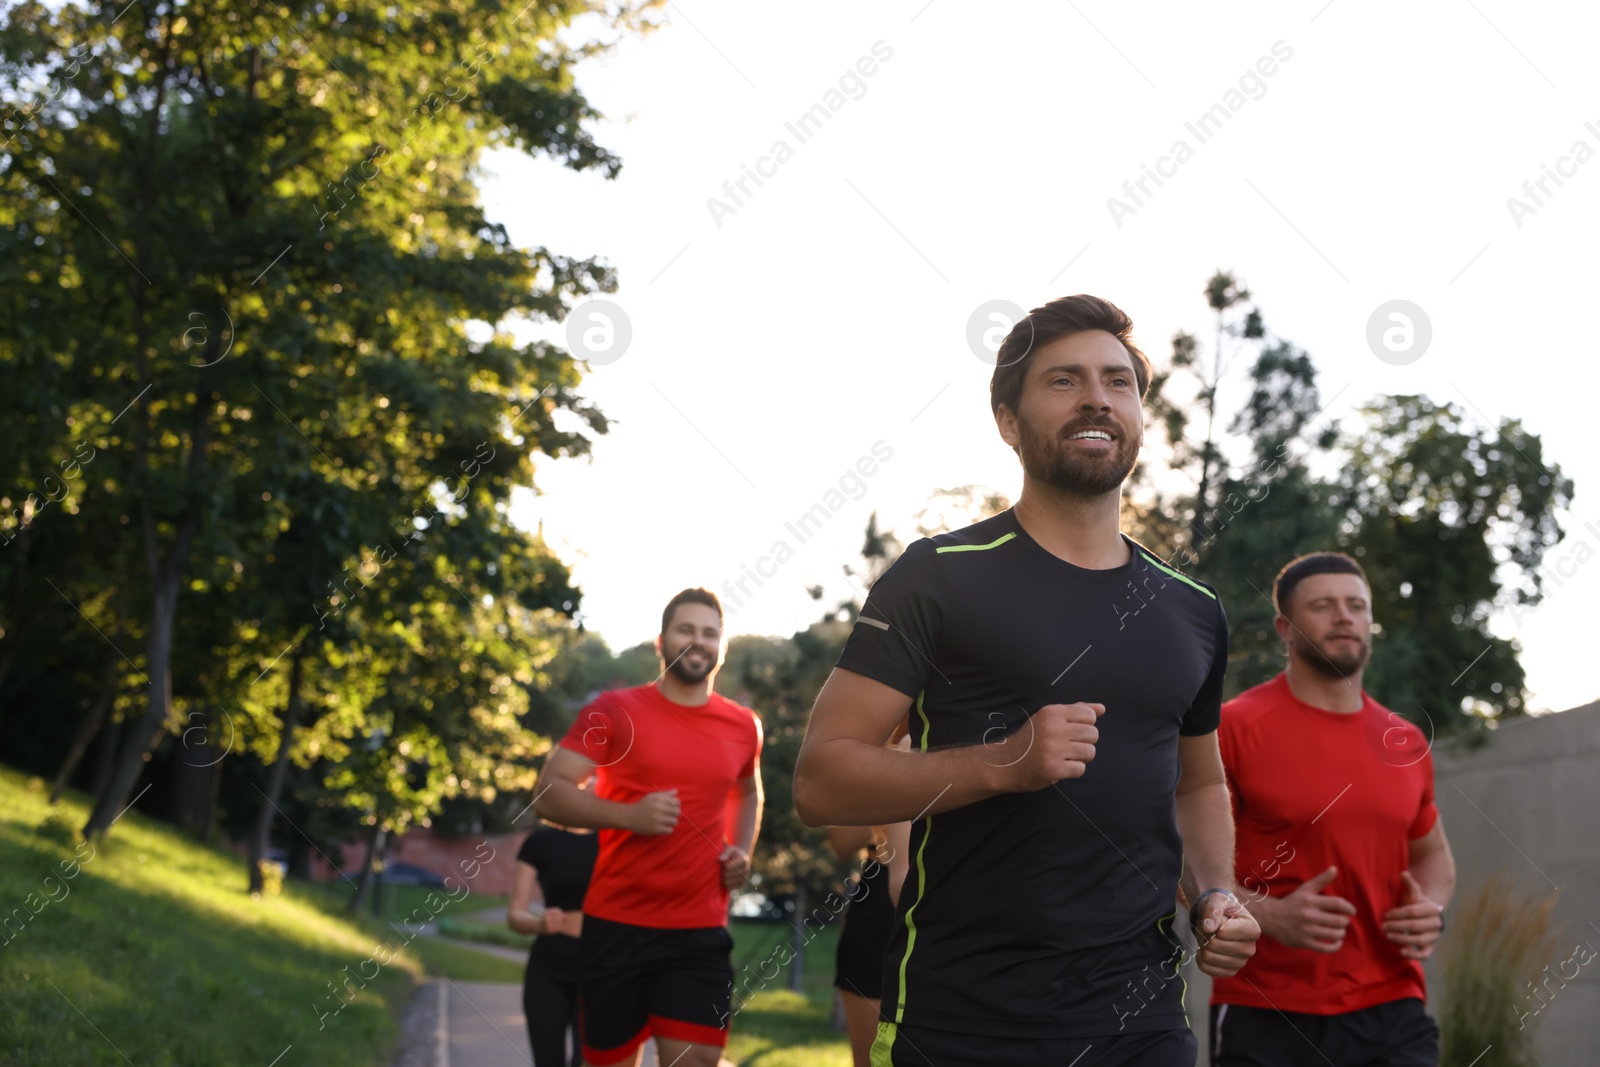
(260, 838)
(88, 728)
(1199, 534)
(11, 646)
(364, 883)
(213, 798)
(105, 759)
(300, 850)
(166, 571)
(158, 655)
(201, 747)
(15, 623)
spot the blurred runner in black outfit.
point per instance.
(553, 869)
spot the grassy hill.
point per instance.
(148, 950)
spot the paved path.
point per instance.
(485, 1026)
(483, 1022)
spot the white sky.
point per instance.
(828, 310)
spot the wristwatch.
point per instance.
(1194, 909)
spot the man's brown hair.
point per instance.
(1300, 568)
(1060, 317)
(696, 595)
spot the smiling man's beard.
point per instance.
(1046, 458)
(687, 674)
(1339, 663)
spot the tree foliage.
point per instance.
(264, 404)
(1449, 518)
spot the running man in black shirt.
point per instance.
(1065, 688)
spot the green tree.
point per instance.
(1268, 508)
(247, 243)
(1449, 520)
(1235, 320)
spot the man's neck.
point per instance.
(1084, 531)
(678, 691)
(1312, 687)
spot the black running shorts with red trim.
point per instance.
(639, 981)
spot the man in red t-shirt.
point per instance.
(1339, 845)
(677, 801)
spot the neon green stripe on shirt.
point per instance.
(977, 548)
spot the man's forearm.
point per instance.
(845, 782)
(1205, 822)
(1436, 874)
(564, 803)
(747, 824)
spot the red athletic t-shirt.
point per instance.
(1314, 789)
(641, 742)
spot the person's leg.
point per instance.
(690, 996)
(574, 1027)
(686, 1054)
(1261, 1037)
(898, 1045)
(1398, 1034)
(615, 967)
(630, 1060)
(861, 1022)
(1160, 1048)
(547, 1006)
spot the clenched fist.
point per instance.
(1308, 917)
(735, 866)
(1227, 933)
(1060, 740)
(1417, 923)
(655, 813)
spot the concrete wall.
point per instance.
(1527, 804)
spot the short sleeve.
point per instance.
(1227, 747)
(897, 636)
(530, 851)
(593, 732)
(1427, 810)
(754, 761)
(1205, 714)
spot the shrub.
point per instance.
(1499, 946)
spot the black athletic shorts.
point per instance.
(911, 1046)
(858, 961)
(1397, 1034)
(638, 981)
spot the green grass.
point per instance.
(399, 901)
(152, 950)
(464, 964)
(153, 953)
(774, 1027)
(783, 1029)
(489, 933)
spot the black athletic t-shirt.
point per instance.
(562, 861)
(1047, 913)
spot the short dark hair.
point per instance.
(1060, 317)
(696, 595)
(1300, 568)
